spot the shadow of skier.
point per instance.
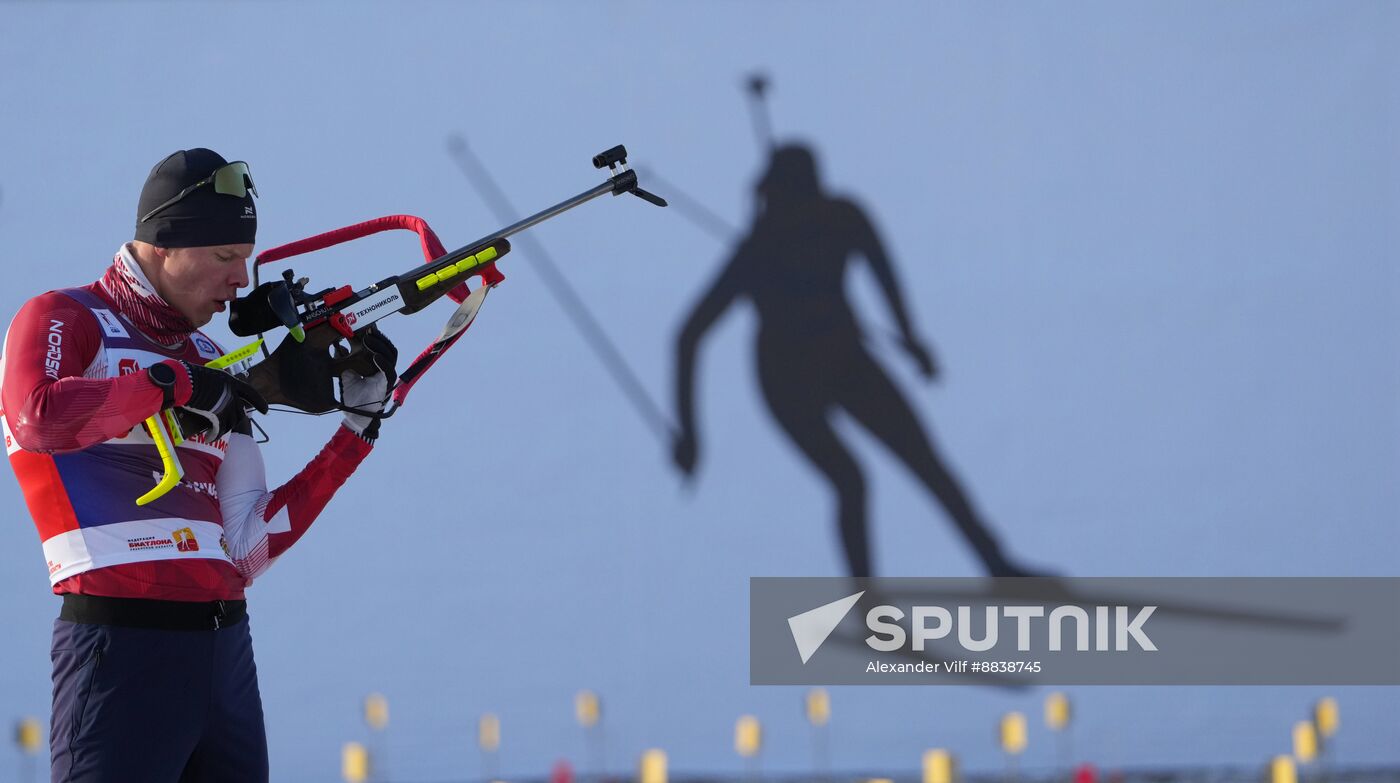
(811, 353)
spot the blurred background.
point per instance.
(1150, 247)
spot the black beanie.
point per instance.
(201, 218)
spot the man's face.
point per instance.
(198, 281)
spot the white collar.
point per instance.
(136, 275)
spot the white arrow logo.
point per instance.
(810, 629)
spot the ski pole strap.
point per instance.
(432, 249)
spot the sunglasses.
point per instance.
(230, 179)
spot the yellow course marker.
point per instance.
(489, 254)
(587, 709)
(28, 734)
(465, 264)
(938, 766)
(1013, 733)
(818, 707)
(748, 736)
(1304, 742)
(376, 711)
(354, 763)
(652, 768)
(488, 733)
(1327, 717)
(1057, 712)
(1282, 770)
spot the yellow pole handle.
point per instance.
(174, 471)
(173, 424)
(165, 430)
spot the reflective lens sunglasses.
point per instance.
(230, 179)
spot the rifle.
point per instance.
(326, 328)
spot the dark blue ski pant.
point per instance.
(140, 705)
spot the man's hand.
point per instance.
(369, 393)
(921, 356)
(218, 402)
(685, 452)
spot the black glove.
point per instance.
(217, 403)
(369, 393)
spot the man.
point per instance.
(153, 672)
(812, 355)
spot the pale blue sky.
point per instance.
(1152, 244)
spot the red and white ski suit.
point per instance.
(74, 394)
